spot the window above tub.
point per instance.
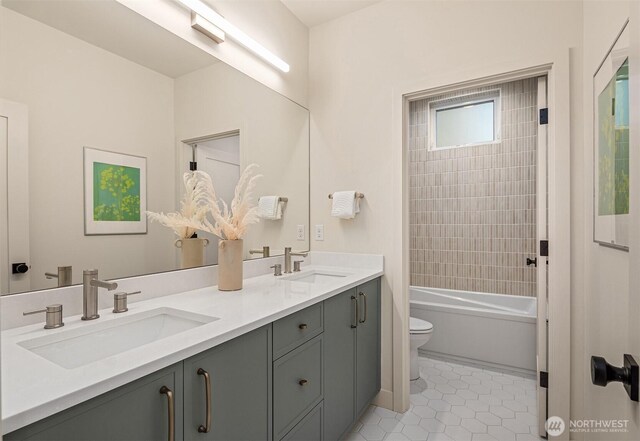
(464, 120)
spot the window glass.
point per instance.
(467, 124)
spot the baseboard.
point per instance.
(511, 370)
(384, 399)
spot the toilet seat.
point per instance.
(419, 326)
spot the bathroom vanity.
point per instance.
(291, 357)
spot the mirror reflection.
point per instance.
(99, 127)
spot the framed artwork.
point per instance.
(611, 146)
(115, 193)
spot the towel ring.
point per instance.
(358, 195)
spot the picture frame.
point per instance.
(115, 193)
(611, 146)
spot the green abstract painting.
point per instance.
(116, 193)
(613, 145)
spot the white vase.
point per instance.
(230, 265)
(192, 251)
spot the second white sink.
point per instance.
(92, 342)
(316, 276)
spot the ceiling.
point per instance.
(315, 12)
(117, 29)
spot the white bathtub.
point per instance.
(489, 329)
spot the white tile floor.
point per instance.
(459, 403)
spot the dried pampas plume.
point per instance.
(227, 224)
(191, 210)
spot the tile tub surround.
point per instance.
(34, 388)
(456, 402)
(472, 209)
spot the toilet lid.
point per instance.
(418, 325)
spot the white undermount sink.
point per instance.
(316, 276)
(92, 342)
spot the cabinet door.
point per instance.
(368, 344)
(339, 364)
(136, 411)
(240, 377)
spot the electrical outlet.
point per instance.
(319, 232)
(300, 232)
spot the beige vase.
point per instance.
(230, 265)
(192, 251)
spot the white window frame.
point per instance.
(494, 96)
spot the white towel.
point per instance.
(345, 204)
(270, 207)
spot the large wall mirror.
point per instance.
(86, 79)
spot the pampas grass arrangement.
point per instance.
(190, 210)
(201, 200)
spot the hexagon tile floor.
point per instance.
(460, 403)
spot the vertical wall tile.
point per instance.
(472, 209)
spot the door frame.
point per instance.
(556, 67)
(17, 203)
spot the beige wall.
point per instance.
(79, 95)
(355, 64)
(267, 21)
(274, 133)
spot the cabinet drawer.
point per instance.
(291, 331)
(309, 428)
(297, 385)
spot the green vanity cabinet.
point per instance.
(305, 377)
(368, 361)
(238, 376)
(351, 356)
(136, 411)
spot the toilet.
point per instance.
(419, 334)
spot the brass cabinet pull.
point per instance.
(172, 412)
(207, 389)
(302, 382)
(355, 324)
(302, 326)
(364, 296)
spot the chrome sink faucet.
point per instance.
(90, 285)
(287, 258)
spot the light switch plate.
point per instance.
(319, 233)
(300, 232)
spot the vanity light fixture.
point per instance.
(203, 25)
(200, 8)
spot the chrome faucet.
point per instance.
(264, 251)
(64, 276)
(287, 258)
(90, 287)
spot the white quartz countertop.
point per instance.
(34, 388)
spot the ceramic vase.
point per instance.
(192, 251)
(230, 265)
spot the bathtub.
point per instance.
(494, 330)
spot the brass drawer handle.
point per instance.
(207, 389)
(302, 382)
(302, 326)
(172, 411)
(364, 296)
(355, 317)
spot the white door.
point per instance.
(612, 319)
(14, 196)
(4, 248)
(542, 261)
(220, 158)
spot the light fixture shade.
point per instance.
(200, 24)
(233, 32)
